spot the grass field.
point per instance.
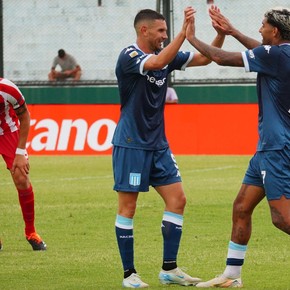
(75, 214)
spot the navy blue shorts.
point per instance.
(135, 170)
(270, 170)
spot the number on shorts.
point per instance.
(175, 164)
(263, 172)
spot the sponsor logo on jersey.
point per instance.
(153, 80)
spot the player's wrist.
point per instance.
(20, 151)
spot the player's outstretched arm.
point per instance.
(216, 54)
(201, 60)
(220, 38)
(167, 54)
(220, 22)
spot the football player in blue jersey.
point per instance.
(141, 154)
(268, 173)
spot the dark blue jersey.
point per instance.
(272, 63)
(142, 96)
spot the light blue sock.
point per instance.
(235, 260)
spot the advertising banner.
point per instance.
(191, 128)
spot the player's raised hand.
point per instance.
(190, 30)
(219, 22)
(188, 17)
(215, 24)
(214, 8)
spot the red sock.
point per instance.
(26, 200)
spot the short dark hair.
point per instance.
(147, 14)
(61, 53)
(280, 17)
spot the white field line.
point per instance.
(209, 169)
(63, 179)
(111, 176)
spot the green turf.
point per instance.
(75, 214)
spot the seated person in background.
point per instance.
(171, 96)
(69, 67)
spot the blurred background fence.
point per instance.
(95, 31)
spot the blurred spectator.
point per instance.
(68, 65)
(171, 96)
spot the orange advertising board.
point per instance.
(212, 128)
(190, 128)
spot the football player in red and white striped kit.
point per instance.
(14, 129)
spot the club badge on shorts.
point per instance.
(135, 179)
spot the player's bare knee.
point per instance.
(127, 211)
(184, 201)
(21, 181)
(181, 201)
(179, 204)
(281, 222)
(240, 209)
(281, 225)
